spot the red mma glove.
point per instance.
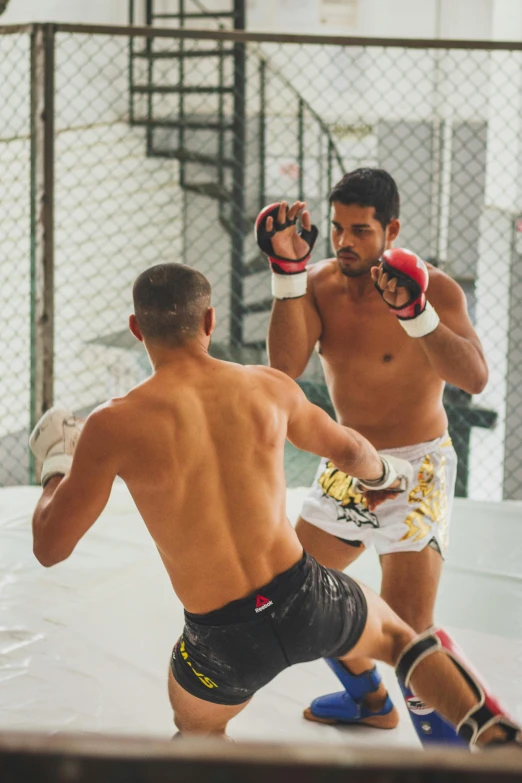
(417, 317)
(289, 276)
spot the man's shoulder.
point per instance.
(321, 270)
(267, 374)
(275, 383)
(105, 416)
(114, 414)
(442, 285)
(322, 276)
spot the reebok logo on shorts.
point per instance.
(262, 603)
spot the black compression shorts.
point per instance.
(305, 613)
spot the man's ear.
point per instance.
(135, 329)
(392, 231)
(210, 321)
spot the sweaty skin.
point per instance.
(200, 445)
(382, 382)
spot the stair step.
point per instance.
(211, 189)
(163, 90)
(190, 124)
(186, 156)
(183, 54)
(264, 306)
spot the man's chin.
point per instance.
(348, 272)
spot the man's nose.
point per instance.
(347, 239)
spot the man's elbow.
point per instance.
(48, 556)
(477, 383)
(289, 367)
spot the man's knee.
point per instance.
(399, 638)
(418, 618)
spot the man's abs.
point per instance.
(393, 399)
(380, 380)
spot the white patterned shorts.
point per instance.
(406, 523)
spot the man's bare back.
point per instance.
(200, 447)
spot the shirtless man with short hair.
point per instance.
(200, 447)
(386, 352)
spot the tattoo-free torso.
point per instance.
(380, 380)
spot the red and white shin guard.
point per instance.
(486, 713)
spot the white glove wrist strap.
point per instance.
(423, 324)
(389, 475)
(58, 464)
(289, 286)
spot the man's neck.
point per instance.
(358, 287)
(190, 353)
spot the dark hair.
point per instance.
(369, 188)
(170, 301)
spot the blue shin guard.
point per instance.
(431, 728)
(347, 706)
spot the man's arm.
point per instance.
(295, 325)
(70, 504)
(311, 429)
(440, 322)
(294, 329)
(453, 348)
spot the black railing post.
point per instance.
(131, 65)
(150, 77)
(329, 184)
(262, 133)
(181, 98)
(300, 149)
(221, 121)
(238, 183)
(42, 226)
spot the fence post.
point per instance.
(42, 225)
(238, 184)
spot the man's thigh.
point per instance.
(326, 548)
(409, 585)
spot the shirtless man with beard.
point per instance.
(390, 331)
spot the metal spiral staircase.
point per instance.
(206, 104)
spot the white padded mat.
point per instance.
(85, 645)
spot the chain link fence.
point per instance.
(15, 255)
(166, 143)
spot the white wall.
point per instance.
(69, 11)
(386, 18)
(471, 19)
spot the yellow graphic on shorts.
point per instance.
(339, 486)
(202, 678)
(430, 495)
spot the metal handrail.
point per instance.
(242, 36)
(305, 105)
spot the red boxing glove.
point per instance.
(289, 279)
(279, 264)
(417, 316)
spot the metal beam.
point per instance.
(42, 222)
(241, 36)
